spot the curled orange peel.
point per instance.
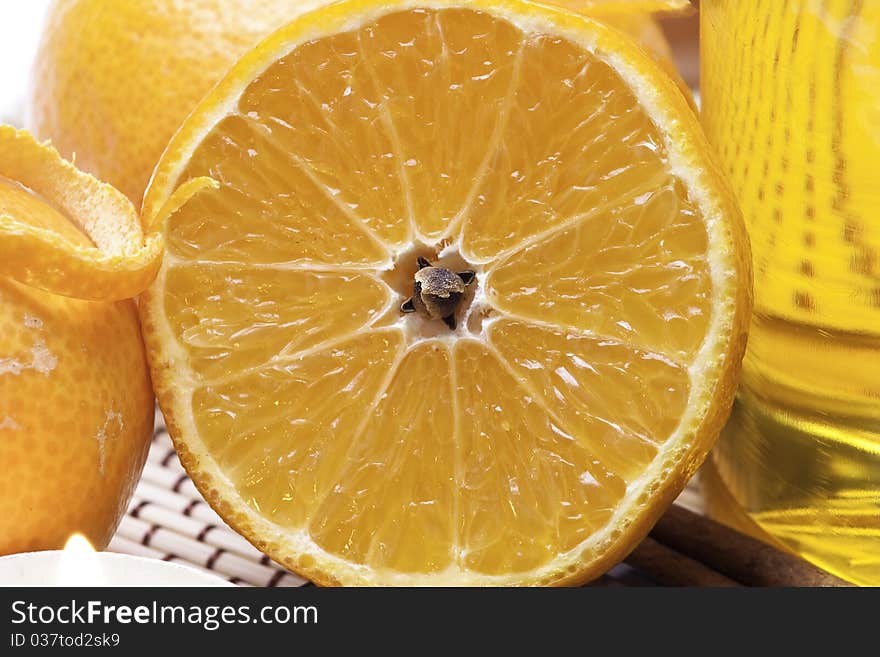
(112, 259)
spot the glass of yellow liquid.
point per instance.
(791, 103)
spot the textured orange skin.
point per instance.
(112, 81)
(51, 484)
(76, 405)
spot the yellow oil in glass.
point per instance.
(791, 103)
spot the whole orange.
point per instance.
(114, 80)
(76, 406)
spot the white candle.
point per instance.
(79, 565)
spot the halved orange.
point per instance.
(535, 433)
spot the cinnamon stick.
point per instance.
(671, 568)
(735, 555)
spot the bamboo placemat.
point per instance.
(168, 519)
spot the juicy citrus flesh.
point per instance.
(112, 81)
(76, 404)
(584, 381)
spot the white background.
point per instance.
(20, 23)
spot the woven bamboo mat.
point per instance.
(168, 519)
